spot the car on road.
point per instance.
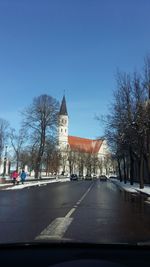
(94, 176)
(88, 177)
(113, 177)
(103, 178)
(73, 177)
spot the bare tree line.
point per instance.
(128, 125)
(84, 163)
(35, 143)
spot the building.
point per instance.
(82, 156)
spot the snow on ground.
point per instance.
(2, 185)
(29, 184)
(145, 190)
(131, 188)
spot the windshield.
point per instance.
(74, 121)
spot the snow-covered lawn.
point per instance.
(29, 184)
(131, 188)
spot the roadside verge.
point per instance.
(28, 184)
(132, 188)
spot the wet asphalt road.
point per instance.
(80, 211)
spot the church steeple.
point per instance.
(63, 107)
(63, 125)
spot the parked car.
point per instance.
(88, 177)
(73, 177)
(94, 176)
(103, 178)
(113, 177)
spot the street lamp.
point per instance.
(5, 160)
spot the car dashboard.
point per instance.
(64, 254)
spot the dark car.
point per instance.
(103, 178)
(74, 177)
(94, 177)
(113, 177)
(88, 177)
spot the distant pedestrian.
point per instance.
(23, 176)
(14, 176)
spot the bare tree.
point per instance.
(25, 158)
(72, 159)
(51, 157)
(40, 120)
(81, 162)
(64, 155)
(146, 78)
(17, 142)
(4, 125)
(119, 121)
(128, 127)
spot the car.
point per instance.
(88, 177)
(103, 178)
(73, 177)
(113, 177)
(74, 254)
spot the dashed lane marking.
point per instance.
(70, 213)
(55, 230)
(58, 227)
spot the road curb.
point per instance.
(44, 183)
(142, 193)
(138, 191)
(124, 189)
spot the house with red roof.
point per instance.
(81, 156)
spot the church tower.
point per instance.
(63, 126)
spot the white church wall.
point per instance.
(63, 132)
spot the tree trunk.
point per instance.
(128, 169)
(147, 161)
(17, 163)
(119, 169)
(37, 169)
(39, 157)
(124, 170)
(9, 167)
(141, 172)
(131, 167)
(70, 167)
(38, 165)
(47, 166)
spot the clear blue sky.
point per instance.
(48, 46)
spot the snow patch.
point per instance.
(132, 188)
(37, 183)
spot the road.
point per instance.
(80, 211)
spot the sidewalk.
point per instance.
(28, 183)
(131, 188)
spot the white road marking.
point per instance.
(70, 213)
(78, 203)
(85, 194)
(58, 227)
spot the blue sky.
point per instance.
(48, 46)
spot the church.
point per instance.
(81, 156)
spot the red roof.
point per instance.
(84, 145)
